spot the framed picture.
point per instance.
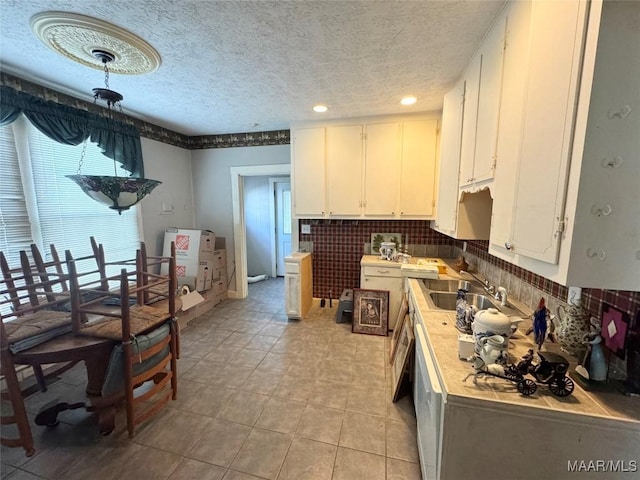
(615, 324)
(370, 311)
(401, 359)
(403, 313)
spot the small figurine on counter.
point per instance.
(540, 322)
(461, 312)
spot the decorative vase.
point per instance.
(597, 364)
(572, 328)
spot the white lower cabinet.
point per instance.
(298, 284)
(488, 431)
(378, 275)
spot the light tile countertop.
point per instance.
(442, 336)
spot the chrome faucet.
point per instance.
(485, 283)
(501, 295)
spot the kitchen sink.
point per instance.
(447, 300)
(449, 285)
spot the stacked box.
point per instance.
(195, 256)
(219, 271)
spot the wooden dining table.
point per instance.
(94, 352)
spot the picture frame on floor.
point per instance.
(403, 313)
(370, 311)
(406, 343)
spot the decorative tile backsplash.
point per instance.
(520, 281)
(338, 246)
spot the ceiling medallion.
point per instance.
(77, 36)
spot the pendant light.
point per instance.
(118, 193)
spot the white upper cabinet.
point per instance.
(568, 206)
(511, 114)
(417, 173)
(383, 168)
(382, 172)
(452, 111)
(541, 90)
(344, 170)
(308, 152)
(482, 106)
(556, 35)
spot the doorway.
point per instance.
(239, 218)
(281, 238)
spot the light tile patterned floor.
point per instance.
(260, 397)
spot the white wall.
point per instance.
(257, 217)
(212, 187)
(172, 166)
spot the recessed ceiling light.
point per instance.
(320, 108)
(408, 100)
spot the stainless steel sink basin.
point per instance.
(449, 285)
(447, 300)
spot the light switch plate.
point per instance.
(306, 228)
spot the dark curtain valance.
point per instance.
(118, 140)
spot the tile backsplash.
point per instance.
(338, 246)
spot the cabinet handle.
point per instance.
(620, 113)
(614, 162)
(508, 245)
(383, 271)
(601, 255)
(393, 213)
(602, 211)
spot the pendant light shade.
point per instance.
(117, 193)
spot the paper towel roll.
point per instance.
(184, 290)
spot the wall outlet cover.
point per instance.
(574, 295)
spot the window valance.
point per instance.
(64, 124)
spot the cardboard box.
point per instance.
(219, 286)
(193, 245)
(188, 270)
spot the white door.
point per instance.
(283, 224)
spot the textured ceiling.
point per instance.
(245, 66)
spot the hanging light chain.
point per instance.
(106, 75)
(82, 155)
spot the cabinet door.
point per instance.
(470, 119)
(344, 169)
(489, 103)
(511, 114)
(452, 112)
(308, 171)
(417, 181)
(550, 93)
(381, 168)
(292, 295)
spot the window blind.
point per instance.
(15, 228)
(67, 216)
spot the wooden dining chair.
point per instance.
(13, 395)
(147, 335)
(27, 319)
